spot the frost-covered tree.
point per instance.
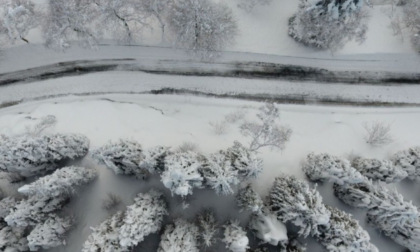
(206, 221)
(29, 156)
(235, 237)
(219, 174)
(182, 172)
(378, 133)
(182, 236)
(412, 21)
(268, 228)
(248, 199)
(409, 161)
(61, 182)
(49, 234)
(6, 206)
(356, 195)
(154, 159)
(69, 21)
(325, 167)
(142, 218)
(202, 26)
(17, 18)
(244, 161)
(294, 201)
(329, 24)
(123, 157)
(382, 170)
(105, 237)
(249, 5)
(13, 239)
(267, 132)
(345, 234)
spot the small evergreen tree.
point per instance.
(382, 170)
(206, 222)
(235, 237)
(409, 161)
(154, 159)
(182, 236)
(356, 195)
(248, 199)
(244, 161)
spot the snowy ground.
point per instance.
(145, 118)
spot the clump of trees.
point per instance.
(329, 24)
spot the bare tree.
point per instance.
(377, 133)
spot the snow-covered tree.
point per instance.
(325, 167)
(123, 157)
(202, 26)
(249, 5)
(329, 24)
(268, 228)
(268, 132)
(70, 20)
(29, 156)
(219, 174)
(206, 222)
(154, 159)
(142, 218)
(105, 237)
(235, 237)
(345, 234)
(13, 239)
(34, 210)
(49, 234)
(61, 182)
(182, 236)
(159, 10)
(17, 18)
(382, 170)
(356, 195)
(6, 206)
(412, 21)
(293, 200)
(244, 161)
(409, 161)
(248, 199)
(182, 172)
(293, 246)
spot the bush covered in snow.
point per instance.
(382, 170)
(206, 221)
(123, 157)
(293, 200)
(31, 156)
(49, 234)
(182, 236)
(345, 234)
(248, 199)
(142, 218)
(329, 24)
(356, 195)
(235, 237)
(323, 167)
(182, 172)
(6, 206)
(268, 228)
(244, 161)
(13, 239)
(154, 159)
(267, 132)
(409, 161)
(61, 182)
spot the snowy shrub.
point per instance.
(382, 170)
(206, 222)
(293, 200)
(325, 167)
(244, 161)
(17, 18)
(219, 174)
(345, 234)
(111, 201)
(6, 206)
(31, 156)
(356, 195)
(182, 173)
(13, 239)
(180, 237)
(61, 182)
(49, 234)
(202, 26)
(44, 123)
(267, 132)
(329, 24)
(187, 146)
(142, 218)
(235, 237)
(154, 159)
(377, 133)
(218, 128)
(34, 210)
(105, 237)
(249, 5)
(248, 199)
(123, 157)
(268, 228)
(409, 161)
